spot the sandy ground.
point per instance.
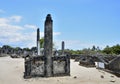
(11, 72)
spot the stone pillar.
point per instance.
(48, 44)
(63, 47)
(38, 42)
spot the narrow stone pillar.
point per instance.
(63, 47)
(48, 44)
(38, 42)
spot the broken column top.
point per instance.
(48, 18)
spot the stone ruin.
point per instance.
(109, 63)
(17, 52)
(47, 64)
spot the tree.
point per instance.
(107, 50)
(93, 48)
(26, 49)
(42, 42)
(112, 50)
(86, 51)
(116, 49)
(33, 48)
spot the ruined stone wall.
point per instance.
(114, 64)
(35, 66)
(61, 66)
(58, 67)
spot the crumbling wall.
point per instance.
(61, 65)
(58, 67)
(114, 64)
(35, 66)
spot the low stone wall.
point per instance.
(35, 66)
(114, 65)
(61, 65)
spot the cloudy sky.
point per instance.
(80, 23)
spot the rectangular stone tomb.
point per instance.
(35, 66)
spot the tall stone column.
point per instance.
(38, 42)
(48, 44)
(63, 47)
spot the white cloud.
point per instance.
(2, 11)
(30, 38)
(10, 33)
(10, 19)
(76, 44)
(15, 18)
(69, 44)
(30, 26)
(56, 33)
(9, 27)
(3, 20)
(25, 36)
(17, 35)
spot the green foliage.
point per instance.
(42, 42)
(107, 50)
(112, 50)
(75, 52)
(7, 46)
(93, 48)
(116, 49)
(86, 51)
(17, 48)
(27, 49)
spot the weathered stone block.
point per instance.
(59, 67)
(37, 68)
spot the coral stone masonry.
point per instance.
(47, 65)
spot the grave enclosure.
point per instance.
(47, 64)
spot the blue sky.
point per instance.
(80, 23)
